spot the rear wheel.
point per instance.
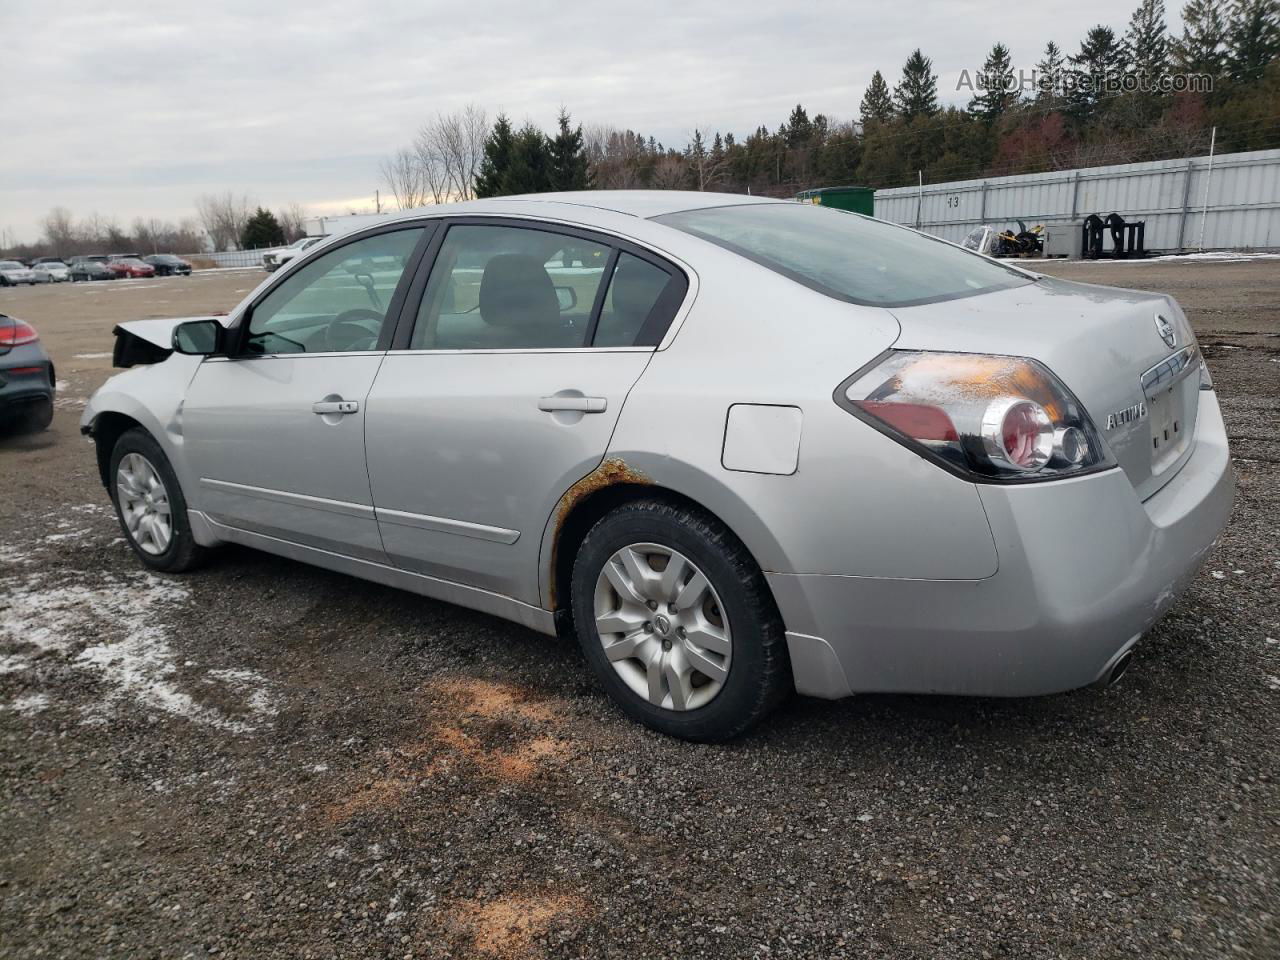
(677, 623)
(150, 505)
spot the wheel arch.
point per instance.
(616, 482)
(107, 428)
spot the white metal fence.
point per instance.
(1233, 198)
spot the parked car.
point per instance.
(276, 259)
(736, 445)
(166, 264)
(128, 267)
(89, 270)
(27, 381)
(51, 271)
(13, 273)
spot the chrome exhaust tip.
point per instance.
(1121, 665)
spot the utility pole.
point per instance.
(377, 200)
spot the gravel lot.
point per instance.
(267, 760)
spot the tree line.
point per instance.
(224, 221)
(1140, 94)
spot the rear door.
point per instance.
(275, 433)
(504, 391)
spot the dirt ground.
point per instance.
(267, 760)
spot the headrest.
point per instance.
(515, 290)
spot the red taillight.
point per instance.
(920, 421)
(14, 333)
(985, 417)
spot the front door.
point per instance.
(523, 350)
(275, 432)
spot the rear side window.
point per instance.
(639, 305)
(846, 255)
(510, 288)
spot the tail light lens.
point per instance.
(14, 333)
(985, 417)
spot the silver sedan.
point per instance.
(736, 446)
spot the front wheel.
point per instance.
(677, 623)
(150, 504)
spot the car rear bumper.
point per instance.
(1085, 568)
(19, 389)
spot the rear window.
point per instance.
(846, 255)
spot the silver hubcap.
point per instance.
(144, 504)
(663, 627)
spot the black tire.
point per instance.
(759, 675)
(183, 553)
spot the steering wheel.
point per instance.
(348, 330)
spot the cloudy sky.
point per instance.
(136, 109)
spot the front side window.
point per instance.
(338, 302)
(510, 288)
(846, 255)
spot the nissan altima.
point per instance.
(735, 446)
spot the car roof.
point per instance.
(644, 203)
(585, 206)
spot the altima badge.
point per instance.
(1166, 331)
(1127, 415)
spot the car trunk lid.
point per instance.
(1105, 344)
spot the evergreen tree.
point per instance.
(798, 130)
(261, 230)
(530, 166)
(996, 92)
(1146, 46)
(1096, 72)
(917, 93)
(568, 158)
(1202, 47)
(497, 158)
(1253, 37)
(877, 102)
(1049, 74)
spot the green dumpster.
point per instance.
(857, 199)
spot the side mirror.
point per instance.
(198, 338)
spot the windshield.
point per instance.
(11, 265)
(846, 255)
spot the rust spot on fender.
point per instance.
(611, 472)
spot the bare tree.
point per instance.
(290, 218)
(149, 234)
(60, 231)
(669, 173)
(449, 151)
(402, 173)
(224, 216)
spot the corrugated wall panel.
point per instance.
(1243, 200)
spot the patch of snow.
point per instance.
(69, 535)
(93, 356)
(124, 618)
(9, 554)
(1208, 256)
(12, 663)
(29, 704)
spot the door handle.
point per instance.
(335, 406)
(577, 404)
